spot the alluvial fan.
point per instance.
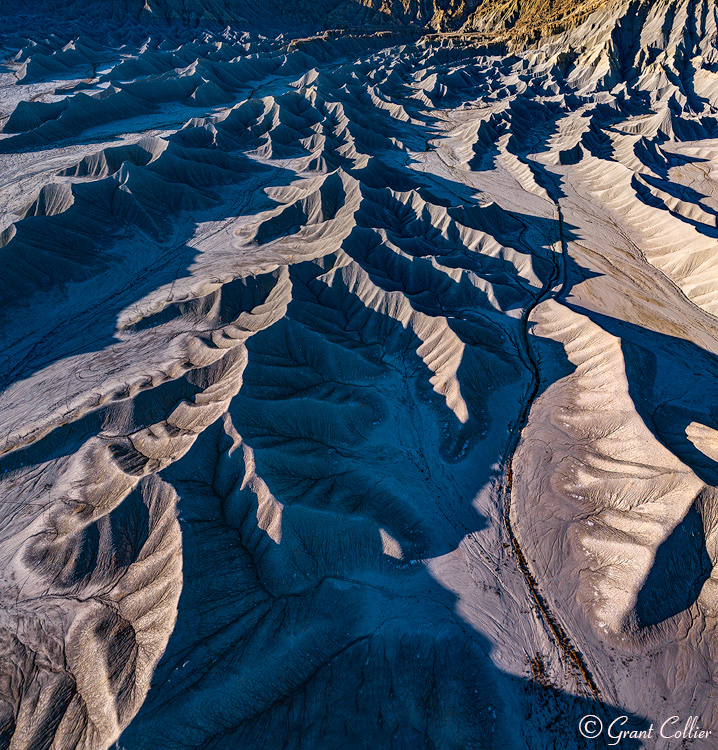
(359, 387)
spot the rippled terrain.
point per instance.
(359, 390)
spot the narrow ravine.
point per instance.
(562, 639)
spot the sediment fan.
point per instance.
(359, 389)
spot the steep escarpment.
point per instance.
(526, 21)
(518, 20)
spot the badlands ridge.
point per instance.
(359, 388)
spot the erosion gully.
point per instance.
(570, 652)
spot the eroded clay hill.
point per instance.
(358, 389)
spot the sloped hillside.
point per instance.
(357, 389)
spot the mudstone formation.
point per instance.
(359, 373)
